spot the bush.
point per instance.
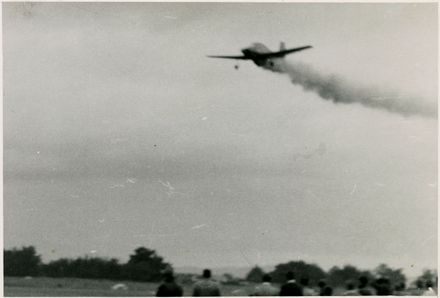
(301, 269)
(21, 262)
(145, 265)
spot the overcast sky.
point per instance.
(119, 133)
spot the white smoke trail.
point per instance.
(337, 90)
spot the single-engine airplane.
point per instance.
(263, 57)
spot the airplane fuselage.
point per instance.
(254, 53)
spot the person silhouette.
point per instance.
(206, 287)
(321, 284)
(328, 291)
(291, 287)
(351, 291)
(429, 291)
(307, 290)
(364, 289)
(266, 288)
(169, 288)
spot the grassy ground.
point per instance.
(76, 287)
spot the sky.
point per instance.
(119, 132)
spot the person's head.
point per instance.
(168, 277)
(267, 278)
(290, 275)
(321, 284)
(382, 286)
(400, 286)
(380, 281)
(304, 281)
(387, 283)
(328, 291)
(207, 273)
(363, 281)
(350, 285)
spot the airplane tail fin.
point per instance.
(282, 46)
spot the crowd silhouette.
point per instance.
(207, 287)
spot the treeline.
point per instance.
(143, 265)
(146, 265)
(336, 276)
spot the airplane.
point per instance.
(263, 57)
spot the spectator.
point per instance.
(429, 291)
(169, 288)
(266, 288)
(417, 290)
(328, 291)
(364, 289)
(307, 291)
(291, 288)
(351, 291)
(383, 287)
(321, 285)
(206, 287)
(399, 289)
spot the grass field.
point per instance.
(76, 287)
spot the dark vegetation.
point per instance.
(143, 265)
(146, 265)
(22, 262)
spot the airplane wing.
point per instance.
(284, 52)
(230, 57)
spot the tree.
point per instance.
(341, 276)
(59, 268)
(427, 275)
(301, 269)
(395, 276)
(146, 265)
(84, 268)
(255, 274)
(21, 262)
(112, 269)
